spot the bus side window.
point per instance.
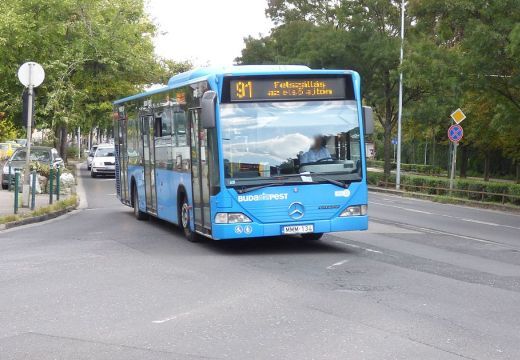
(157, 128)
(180, 128)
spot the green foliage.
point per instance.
(93, 52)
(8, 130)
(458, 53)
(417, 168)
(467, 189)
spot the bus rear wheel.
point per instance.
(312, 236)
(139, 215)
(185, 221)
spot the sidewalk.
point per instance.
(7, 202)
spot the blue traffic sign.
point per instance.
(455, 133)
(394, 141)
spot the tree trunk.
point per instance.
(63, 142)
(388, 151)
(90, 136)
(463, 160)
(486, 167)
(413, 152)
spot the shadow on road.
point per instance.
(254, 246)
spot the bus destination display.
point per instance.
(273, 89)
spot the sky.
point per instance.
(206, 32)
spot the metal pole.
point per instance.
(453, 164)
(33, 190)
(9, 178)
(400, 113)
(16, 184)
(51, 174)
(27, 170)
(79, 143)
(58, 184)
(425, 151)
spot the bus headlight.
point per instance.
(231, 218)
(356, 210)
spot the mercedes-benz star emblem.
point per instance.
(296, 210)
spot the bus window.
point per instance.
(180, 128)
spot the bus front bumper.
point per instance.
(252, 230)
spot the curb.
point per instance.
(456, 201)
(36, 219)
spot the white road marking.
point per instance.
(337, 264)
(374, 251)
(357, 247)
(171, 318)
(403, 208)
(448, 216)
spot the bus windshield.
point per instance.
(268, 139)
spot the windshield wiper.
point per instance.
(313, 174)
(253, 188)
(281, 177)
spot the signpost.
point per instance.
(31, 75)
(394, 142)
(455, 134)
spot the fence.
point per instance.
(469, 194)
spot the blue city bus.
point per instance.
(247, 151)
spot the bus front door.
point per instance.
(147, 131)
(200, 173)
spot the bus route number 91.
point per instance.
(244, 89)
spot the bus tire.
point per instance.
(185, 220)
(139, 215)
(312, 236)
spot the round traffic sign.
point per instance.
(455, 133)
(31, 73)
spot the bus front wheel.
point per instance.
(185, 221)
(139, 215)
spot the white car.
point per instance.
(104, 161)
(90, 156)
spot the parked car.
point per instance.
(104, 161)
(7, 149)
(43, 154)
(91, 156)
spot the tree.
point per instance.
(362, 35)
(93, 53)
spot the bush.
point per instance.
(72, 152)
(417, 168)
(471, 189)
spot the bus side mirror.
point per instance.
(208, 114)
(368, 118)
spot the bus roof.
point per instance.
(201, 73)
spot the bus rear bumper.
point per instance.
(252, 230)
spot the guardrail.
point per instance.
(470, 194)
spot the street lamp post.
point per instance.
(400, 111)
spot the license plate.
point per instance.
(297, 229)
(110, 167)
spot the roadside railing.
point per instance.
(466, 194)
(15, 184)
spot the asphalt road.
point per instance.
(427, 281)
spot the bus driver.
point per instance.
(317, 151)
